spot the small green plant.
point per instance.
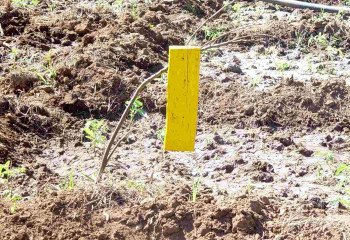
(136, 108)
(161, 134)
(25, 3)
(136, 185)
(326, 155)
(236, 8)
(255, 81)
(212, 32)
(6, 171)
(162, 78)
(283, 66)
(342, 173)
(69, 183)
(14, 53)
(195, 189)
(14, 198)
(320, 41)
(95, 131)
(134, 9)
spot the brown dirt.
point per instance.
(79, 215)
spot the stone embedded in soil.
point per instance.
(306, 152)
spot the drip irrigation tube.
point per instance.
(312, 6)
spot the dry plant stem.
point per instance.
(217, 13)
(240, 40)
(120, 140)
(5, 45)
(226, 34)
(106, 154)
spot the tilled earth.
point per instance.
(273, 130)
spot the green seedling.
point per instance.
(6, 171)
(211, 33)
(25, 3)
(163, 78)
(13, 198)
(342, 168)
(136, 185)
(236, 8)
(95, 131)
(282, 66)
(255, 81)
(161, 134)
(69, 183)
(134, 9)
(196, 185)
(136, 108)
(326, 155)
(14, 53)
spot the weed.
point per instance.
(136, 108)
(134, 9)
(161, 134)
(163, 78)
(25, 3)
(69, 183)
(212, 32)
(14, 53)
(324, 69)
(195, 189)
(282, 66)
(13, 198)
(255, 81)
(342, 168)
(136, 185)
(6, 171)
(236, 8)
(95, 131)
(326, 155)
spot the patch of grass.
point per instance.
(135, 185)
(342, 173)
(25, 3)
(327, 43)
(14, 53)
(255, 81)
(326, 155)
(324, 69)
(95, 131)
(282, 66)
(14, 198)
(69, 183)
(212, 32)
(6, 171)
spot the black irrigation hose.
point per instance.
(312, 6)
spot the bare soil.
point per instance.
(273, 123)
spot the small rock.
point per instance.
(318, 203)
(248, 110)
(229, 67)
(306, 152)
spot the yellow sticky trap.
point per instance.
(182, 98)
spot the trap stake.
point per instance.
(182, 98)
